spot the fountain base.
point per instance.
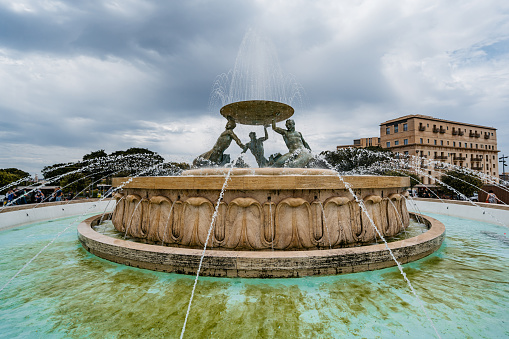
(260, 264)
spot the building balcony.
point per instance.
(476, 159)
(455, 132)
(436, 130)
(441, 130)
(486, 136)
(422, 128)
(441, 157)
(460, 158)
(474, 135)
(477, 168)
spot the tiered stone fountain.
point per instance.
(270, 222)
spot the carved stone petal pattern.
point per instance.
(196, 218)
(243, 224)
(118, 213)
(373, 207)
(133, 212)
(338, 216)
(159, 218)
(394, 216)
(293, 217)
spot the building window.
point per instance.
(454, 143)
(396, 142)
(388, 144)
(421, 140)
(388, 130)
(428, 141)
(406, 152)
(459, 144)
(471, 145)
(405, 142)
(435, 142)
(476, 145)
(441, 142)
(405, 127)
(396, 129)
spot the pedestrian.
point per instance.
(58, 194)
(10, 197)
(491, 198)
(39, 196)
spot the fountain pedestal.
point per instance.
(262, 209)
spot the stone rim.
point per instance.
(261, 264)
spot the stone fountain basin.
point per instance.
(281, 209)
(260, 264)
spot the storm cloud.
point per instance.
(76, 77)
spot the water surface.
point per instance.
(68, 292)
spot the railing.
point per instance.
(460, 132)
(441, 157)
(486, 136)
(422, 128)
(436, 129)
(455, 132)
(477, 168)
(442, 130)
(460, 158)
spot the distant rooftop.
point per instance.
(427, 117)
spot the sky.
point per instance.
(80, 76)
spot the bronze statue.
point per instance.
(216, 155)
(299, 153)
(256, 148)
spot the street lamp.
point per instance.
(502, 160)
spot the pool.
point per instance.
(67, 292)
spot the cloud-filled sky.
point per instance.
(79, 76)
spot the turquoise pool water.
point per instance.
(67, 292)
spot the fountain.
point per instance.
(280, 221)
(69, 292)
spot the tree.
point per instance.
(93, 155)
(10, 175)
(348, 159)
(462, 182)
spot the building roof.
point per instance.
(427, 117)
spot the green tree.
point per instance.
(348, 159)
(10, 175)
(93, 155)
(462, 182)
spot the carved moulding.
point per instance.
(246, 224)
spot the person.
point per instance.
(491, 197)
(216, 154)
(299, 153)
(39, 196)
(58, 194)
(70, 195)
(256, 148)
(10, 197)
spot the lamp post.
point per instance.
(502, 160)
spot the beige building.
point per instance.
(456, 143)
(363, 142)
